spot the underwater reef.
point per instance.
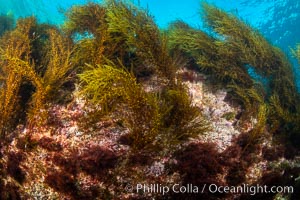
(109, 106)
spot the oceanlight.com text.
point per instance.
(250, 189)
(207, 188)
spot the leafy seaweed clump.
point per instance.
(15, 66)
(110, 87)
(181, 119)
(159, 117)
(87, 26)
(296, 52)
(27, 83)
(240, 59)
(119, 32)
(127, 70)
(151, 118)
(142, 38)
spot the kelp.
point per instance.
(15, 66)
(144, 41)
(163, 116)
(181, 120)
(87, 26)
(259, 128)
(228, 50)
(249, 98)
(296, 52)
(255, 51)
(59, 64)
(38, 59)
(212, 56)
(93, 41)
(282, 81)
(284, 115)
(120, 52)
(27, 83)
(227, 54)
(285, 104)
(85, 19)
(256, 74)
(251, 46)
(109, 86)
(153, 119)
(119, 31)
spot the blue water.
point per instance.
(278, 20)
(164, 11)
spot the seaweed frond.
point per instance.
(229, 50)
(83, 19)
(213, 56)
(111, 86)
(87, 26)
(250, 98)
(254, 49)
(296, 52)
(27, 83)
(144, 41)
(162, 119)
(260, 126)
(58, 66)
(15, 66)
(181, 119)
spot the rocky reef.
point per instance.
(108, 106)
